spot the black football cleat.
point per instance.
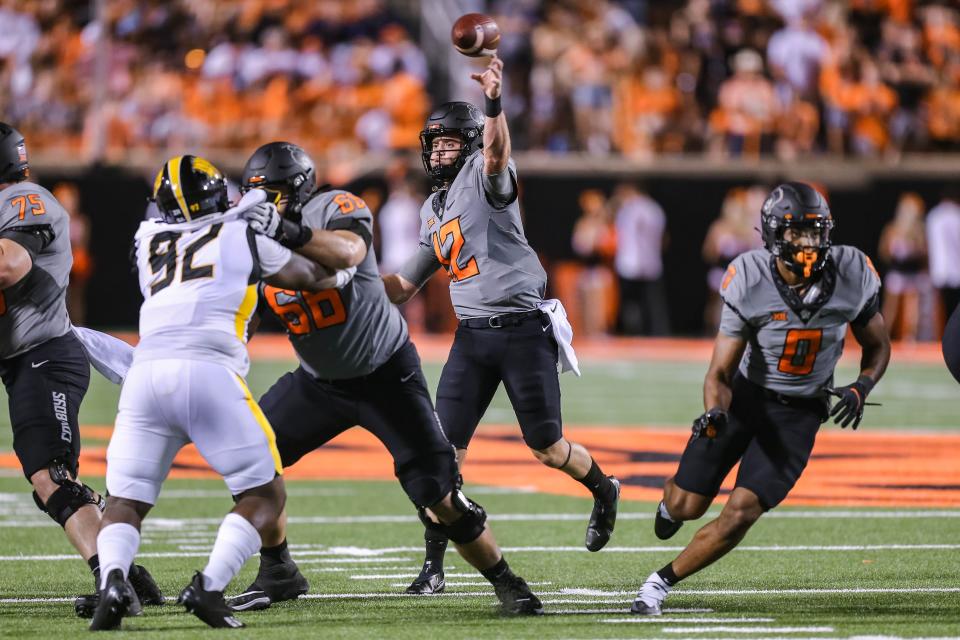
(85, 605)
(641, 608)
(114, 601)
(663, 528)
(274, 583)
(145, 586)
(430, 581)
(209, 606)
(602, 520)
(515, 597)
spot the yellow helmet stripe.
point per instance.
(173, 171)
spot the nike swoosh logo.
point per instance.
(408, 376)
(38, 364)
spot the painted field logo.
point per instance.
(60, 412)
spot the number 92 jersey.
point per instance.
(793, 345)
(199, 283)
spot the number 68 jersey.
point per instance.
(793, 344)
(199, 282)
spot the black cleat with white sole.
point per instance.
(430, 581)
(209, 606)
(602, 520)
(274, 583)
(515, 597)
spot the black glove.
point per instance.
(710, 424)
(850, 402)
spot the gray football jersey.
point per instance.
(34, 310)
(347, 332)
(491, 266)
(789, 351)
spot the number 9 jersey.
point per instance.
(199, 282)
(794, 343)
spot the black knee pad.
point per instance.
(69, 497)
(468, 526)
(428, 478)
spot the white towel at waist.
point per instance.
(108, 355)
(562, 333)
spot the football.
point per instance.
(475, 35)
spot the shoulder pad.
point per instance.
(744, 273)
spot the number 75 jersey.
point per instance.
(793, 345)
(199, 283)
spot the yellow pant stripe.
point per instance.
(245, 311)
(264, 424)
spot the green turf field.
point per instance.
(801, 573)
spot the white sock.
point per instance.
(663, 511)
(654, 590)
(237, 540)
(117, 545)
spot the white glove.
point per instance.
(344, 276)
(264, 219)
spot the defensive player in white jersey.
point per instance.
(199, 268)
(785, 316)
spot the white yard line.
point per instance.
(725, 629)
(178, 523)
(196, 551)
(683, 620)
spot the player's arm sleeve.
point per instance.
(500, 188)
(31, 236)
(272, 256)
(347, 212)
(870, 300)
(420, 266)
(34, 238)
(733, 320)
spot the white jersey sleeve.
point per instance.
(273, 256)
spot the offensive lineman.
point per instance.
(198, 270)
(357, 367)
(471, 226)
(785, 316)
(43, 365)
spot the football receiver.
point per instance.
(786, 311)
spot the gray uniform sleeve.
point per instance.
(732, 290)
(870, 287)
(345, 211)
(26, 218)
(420, 266)
(500, 188)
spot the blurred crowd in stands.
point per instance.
(637, 77)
